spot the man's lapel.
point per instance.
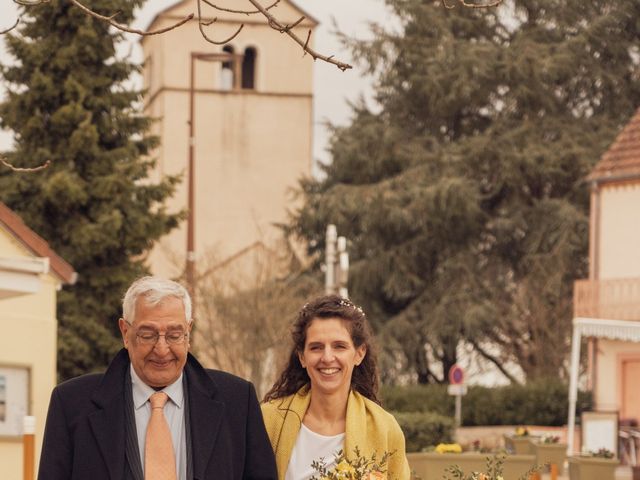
(205, 414)
(108, 422)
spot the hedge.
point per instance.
(542, 402)
(422, 429)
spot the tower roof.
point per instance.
(621, 161)
(181, 3)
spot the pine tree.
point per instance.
(68, 102)
(463, 196)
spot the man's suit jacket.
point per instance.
(85, 434)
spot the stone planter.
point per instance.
(519, 444)
(551, 453)
(592, 468)
(432, 466)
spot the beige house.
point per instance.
(607, 304)
(30, 275)
(236, 121)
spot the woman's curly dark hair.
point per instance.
(364, 379)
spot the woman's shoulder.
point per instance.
(379, 414)
(278, 407)
(275, 404)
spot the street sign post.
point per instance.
(457, 388)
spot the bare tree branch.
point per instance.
(4, 162)
(30, 3)
(206, 24)
(276, 25)
(240, 11)
(2, 32)
(110, 20)
(496, 361)
(495, 3)
(465, 3)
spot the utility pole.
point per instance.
(342, 274)
(336, 267)
(190, 258)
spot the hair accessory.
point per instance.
(345, 302)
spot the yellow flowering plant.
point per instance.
(493, 471)
(358, 467)
(448, 448)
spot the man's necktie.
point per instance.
(159, 458)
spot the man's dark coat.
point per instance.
(85, 433)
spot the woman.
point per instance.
(326, 399)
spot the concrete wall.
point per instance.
(618, 251)
(28, 324)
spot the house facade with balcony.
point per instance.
(607, 304)
(31, 274)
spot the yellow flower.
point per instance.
(344, 469)
(522, 431)
(448, 448)
(374, 476)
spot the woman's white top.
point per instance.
(310, 447)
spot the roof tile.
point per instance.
(622, 159)
(36, 244)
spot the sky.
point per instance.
(333, 89)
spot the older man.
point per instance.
(156, 413)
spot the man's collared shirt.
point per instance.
(173, 412)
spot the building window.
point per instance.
(226, 75)
(249, 69)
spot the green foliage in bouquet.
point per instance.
(495, 466)
(358, 467)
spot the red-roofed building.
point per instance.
(607, 304)
(31, 274)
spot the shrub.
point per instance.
(542, 402)
(418, 398)
(422, 429)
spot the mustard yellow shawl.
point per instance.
(368, 427)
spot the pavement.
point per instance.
(622, 473)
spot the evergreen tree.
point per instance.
(463, 195)
(68, 102)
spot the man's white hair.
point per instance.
(153, 290)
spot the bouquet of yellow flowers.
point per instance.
(358, 467)
(493, 471)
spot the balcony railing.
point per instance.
(617, 299)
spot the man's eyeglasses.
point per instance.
(151, 338)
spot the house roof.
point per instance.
(622, 160)
(36, 244)
(182, 2)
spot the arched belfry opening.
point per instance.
(249, 68)
(227, 75)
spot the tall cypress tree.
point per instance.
(69, 102)
(463, 195)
